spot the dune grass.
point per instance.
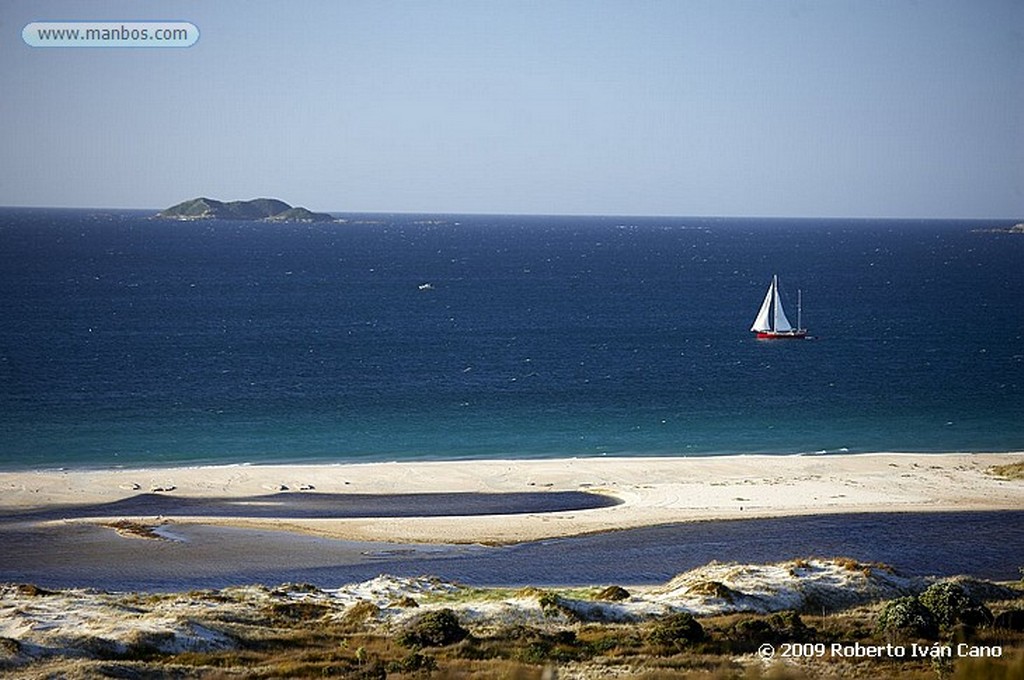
(1009, 471)
(290, 644)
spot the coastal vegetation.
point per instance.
(1009, 471)
(133, 529)
(429, 628)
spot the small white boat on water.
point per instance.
(771, 322)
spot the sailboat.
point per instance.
(771, 322)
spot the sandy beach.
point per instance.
(649, 491)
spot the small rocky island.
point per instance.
(266, 209)
(1015, 229)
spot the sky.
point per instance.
(801, 108)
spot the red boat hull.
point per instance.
(787, 335)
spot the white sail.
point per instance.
(763, 322)
(771, 321)
(781, 322)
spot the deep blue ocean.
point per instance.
(126, 340)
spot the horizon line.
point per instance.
(551, 214)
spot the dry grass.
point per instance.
(713, 589)
(865, 568)
(132, 529)
(1010, 471)
(360, 613)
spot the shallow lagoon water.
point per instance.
(981, 544)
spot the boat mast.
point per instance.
(775, 301)
(799, 308)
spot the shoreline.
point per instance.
(651, 492)
(470, 459)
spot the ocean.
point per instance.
(129, 341)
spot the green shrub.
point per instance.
(781, 627)
(676, 630)
(553, 604)
(789, 627)
(560, 647)
(752, 632)
(434, 629)
(297, 611)
(907, 617)
(413, 662)
(950, 604)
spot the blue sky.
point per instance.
(856, 108)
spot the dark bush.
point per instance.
(553, 604)
(558, 647)
(907, 617)
(950, 604)
(789, 627)
(434, 629)
(413, 662)
(1012, 619)
(676, 630)
(297, 611)
(781, 627)
(753, 631)
(9, 646)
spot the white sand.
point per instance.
(652, 490)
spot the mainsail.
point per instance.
(781, 322)
(771, 318)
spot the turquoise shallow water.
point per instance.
(131, 341)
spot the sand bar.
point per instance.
(651, 490)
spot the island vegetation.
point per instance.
(265, 209)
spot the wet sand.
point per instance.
(569, 521)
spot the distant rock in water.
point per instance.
(269, 209)
(1015, 229)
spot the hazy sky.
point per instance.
(720, 107)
